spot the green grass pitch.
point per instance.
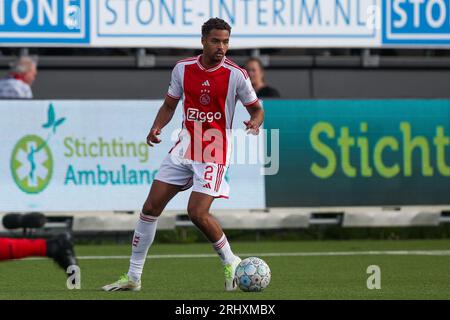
(314, 271)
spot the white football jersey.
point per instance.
(209, 99)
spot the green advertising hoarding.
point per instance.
(360, 152)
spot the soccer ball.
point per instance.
(253, 274)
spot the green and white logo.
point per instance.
(32, 164)
(32, 160)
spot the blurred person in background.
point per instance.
(255, 70)
(17, 85)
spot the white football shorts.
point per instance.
(208, 178)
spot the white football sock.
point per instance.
(143, 237)
(223, 249)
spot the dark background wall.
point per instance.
(292, 83)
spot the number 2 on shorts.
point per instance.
(208, 173)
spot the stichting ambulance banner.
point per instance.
(92, 155)
(360, 153)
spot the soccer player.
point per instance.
(59, 248)
(209, 86)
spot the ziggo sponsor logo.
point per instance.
(197, 115)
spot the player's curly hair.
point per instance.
(214, 23)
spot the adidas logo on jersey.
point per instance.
(208, 186)
(205, 84)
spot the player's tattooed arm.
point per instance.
(163, 117)
(256, 118)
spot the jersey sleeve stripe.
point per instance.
(251, 103)
(232, 64)
(187, 60)
(173, 97)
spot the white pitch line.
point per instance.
(279, 254)
(284, 254)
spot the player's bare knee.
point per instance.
(199, 221)
(192, 212)
(151, 210)
(197, 217)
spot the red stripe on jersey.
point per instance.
(232, 64)
(187, 60)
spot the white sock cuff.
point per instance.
(221, 243)
(147, 219)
